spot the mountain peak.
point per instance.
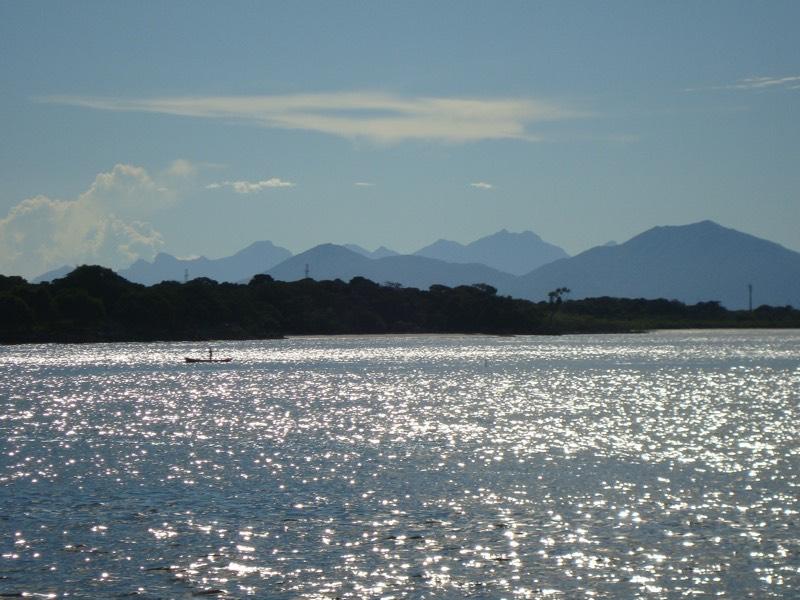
(699, 262)
(259, 246)
(380, 252)
(383, 252)
(505, 233)
(704, 225)
(327, 246)
(515, 253)
(163, 257)
(326, 250)
(692, 236)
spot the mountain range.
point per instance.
(692, 263)
(515, 253)
(502, 253)
(330, 261)
(256, 258)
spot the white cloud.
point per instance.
(374, 116)
(103, 225)
(182, 168)
(481, 185)
(251, 187)
(760, 83)
(128, 191)
(791, 82)
(363, 184)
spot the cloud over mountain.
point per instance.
(105, 224)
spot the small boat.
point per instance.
(207, 360)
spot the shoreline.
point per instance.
(278, 338)
(93, 304)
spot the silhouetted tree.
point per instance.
(556, 295)
(93, 303)
(77, 306)
(16, 316)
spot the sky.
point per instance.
(196, 128)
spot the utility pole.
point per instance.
(186, 276)
(306, 270)
(750, 295)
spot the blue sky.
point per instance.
(196, 128)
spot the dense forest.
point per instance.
(94, 304)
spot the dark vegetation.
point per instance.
(94, 304)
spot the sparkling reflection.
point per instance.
(649, 466)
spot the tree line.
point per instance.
(94, 304)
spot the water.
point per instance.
(662, 465)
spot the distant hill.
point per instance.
(330, 261)
(516, 253)
(256, 258)
(691, 263)
(381, 252)
(54, 274)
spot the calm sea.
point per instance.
(661, 465)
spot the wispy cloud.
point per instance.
(482, 185)
(760, 83)
(363, 184)
(379, 117)
(791, 82)
(251, 187)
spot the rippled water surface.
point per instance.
(663, 465)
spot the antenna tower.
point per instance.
(306, 270)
